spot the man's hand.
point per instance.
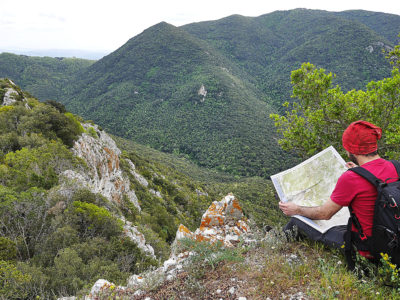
(289, 208)
(323, 212)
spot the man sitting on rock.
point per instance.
(360, 142)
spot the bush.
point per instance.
(12, 281)
(67, 272)
(8, 249)
(92, 220)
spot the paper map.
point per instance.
(311, 184)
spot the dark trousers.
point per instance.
(334, 237)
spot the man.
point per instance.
(360, 142)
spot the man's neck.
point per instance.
(362, 159)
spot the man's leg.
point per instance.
(334, 237)
(297, 228)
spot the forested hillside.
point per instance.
(204, 91)
(177, 94)
(269, 47)
(44, 77)
(384, 24)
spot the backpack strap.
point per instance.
(367, 175)
(396, 165)
(376, 182)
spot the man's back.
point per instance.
(353, 189)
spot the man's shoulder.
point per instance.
(348, 175)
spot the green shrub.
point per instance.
(90, 131)
(12, 281)
(67, 272)
(8, 249)
(92, 220)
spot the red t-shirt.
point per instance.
(354, 189)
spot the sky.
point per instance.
(97, 25)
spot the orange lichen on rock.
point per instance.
(112, 159)
(183, 232)
(242, 225)
(223, 221)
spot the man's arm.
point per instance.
(323, 212)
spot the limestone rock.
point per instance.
(223, 221)
(202, 92)
(136, 236)
(104, 174)
(11, 96)
(102, 285)
(143, 181)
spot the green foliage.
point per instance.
(23, 219)
(11, 280)
(323, 113)
(57, 105)
(68, 267)
(270, 46)
(39, 167)
(8, 249)
(389, 273)
(92, 133)
(160, 246)
(23, 127)
(92, 220)
(212, 253)
(256, 194)
(44, 77)
(56, 241)
(384, 24)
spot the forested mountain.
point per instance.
(205, 90)
(269, 47)
(174, 92)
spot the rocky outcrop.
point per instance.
(202, 92)
(133, 233)
(12, 95)
(379, 46)
(223, 221)
(143, 181)
(104, 175)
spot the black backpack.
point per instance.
(386, 221)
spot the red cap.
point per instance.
(361, 137)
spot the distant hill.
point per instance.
(204, 91)
(69, 53)
(44, 77)
(386, 25)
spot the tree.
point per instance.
(322, 113)
(23, 219)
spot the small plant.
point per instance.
(210, 254)
(90, 131)
(389, 272)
